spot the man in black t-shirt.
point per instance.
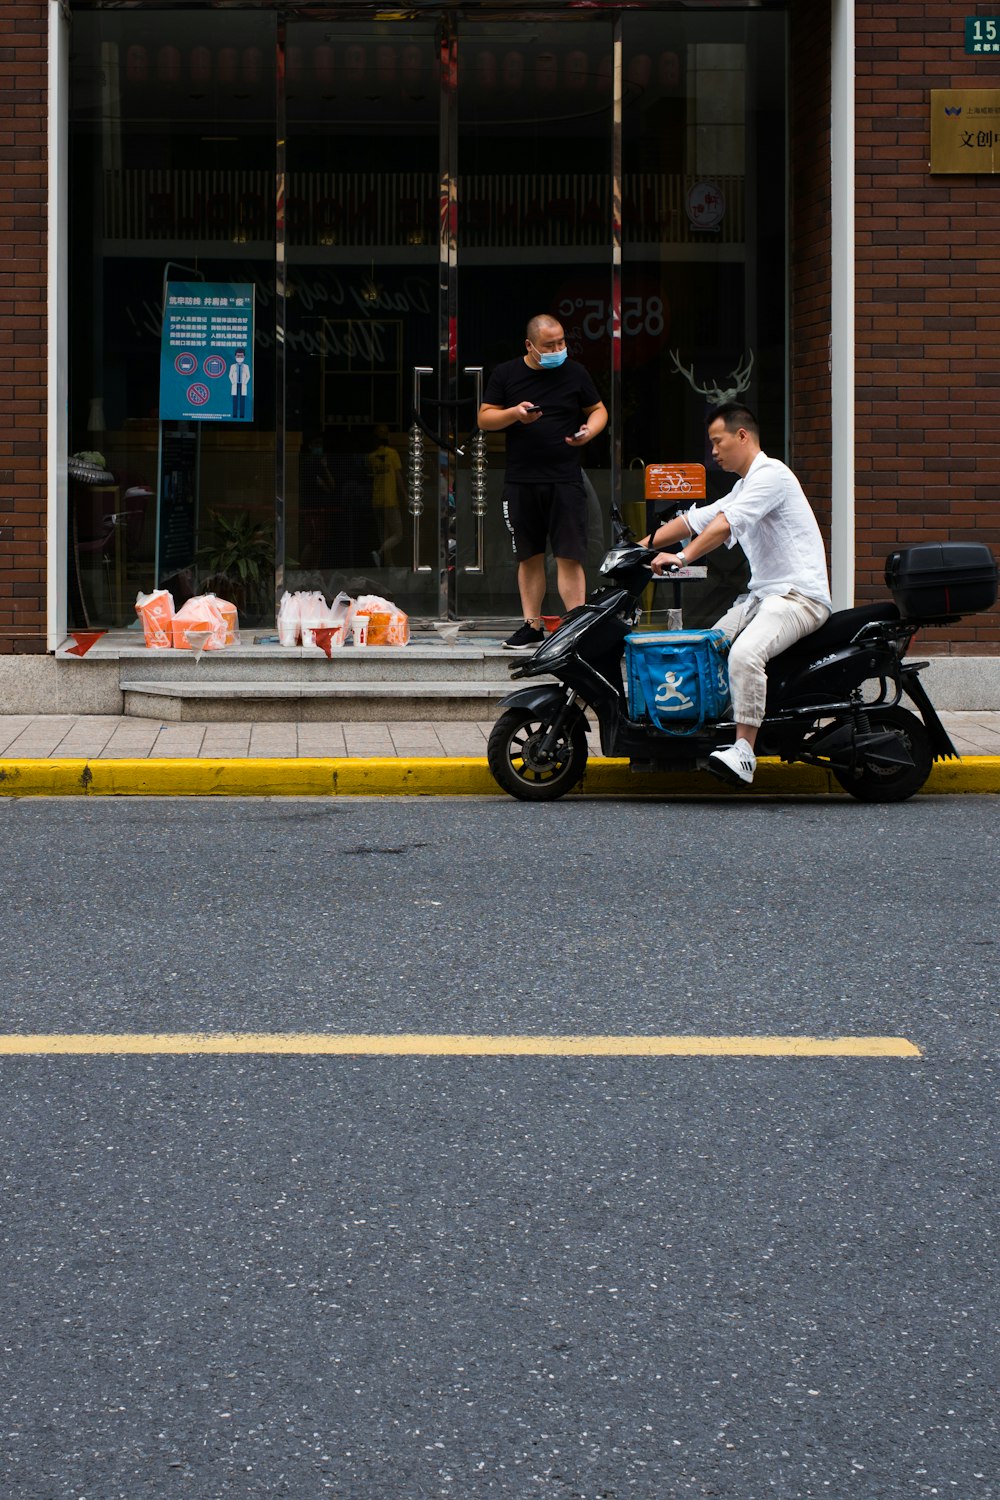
(549, 407)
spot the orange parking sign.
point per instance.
(675, 482)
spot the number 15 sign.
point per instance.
(982, 35)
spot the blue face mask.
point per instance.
(551, 360)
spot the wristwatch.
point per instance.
(680, 558)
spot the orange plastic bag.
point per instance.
(156, 611)
(387, 625)
(200, 613)
(230, 614)
(387, 628)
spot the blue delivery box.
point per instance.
(677, 679)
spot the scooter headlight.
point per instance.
(563, 639)
(615, 558)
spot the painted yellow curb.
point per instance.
(419, 777)
(420, 1044)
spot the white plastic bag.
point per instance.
(314, 612)
(288, 620)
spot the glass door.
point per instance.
(446, 180)
(534, 159)
(361, 305)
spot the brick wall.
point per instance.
(23, 247)
(809, 108)
(928, 322)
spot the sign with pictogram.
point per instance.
(207, 334)
(675, 482)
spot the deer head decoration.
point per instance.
(715, 395)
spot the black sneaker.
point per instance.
(526, 638)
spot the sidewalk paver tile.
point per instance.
(86, 739)
(131, 743)
(274, 742)
(178, 741)
(368, 739)
(415, 739)
(322, 741)
(41, 737)
(11, 726)
(225, 742)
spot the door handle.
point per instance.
(478, 465)
(415, 470)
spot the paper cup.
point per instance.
(360, 630)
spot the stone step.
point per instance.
(403, 664)
(217, 701)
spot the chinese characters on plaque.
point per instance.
(965, 130)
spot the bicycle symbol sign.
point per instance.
(664, 481)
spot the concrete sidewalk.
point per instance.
(107, 737)
(62, 755)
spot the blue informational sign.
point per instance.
(982, 35)
(206, 352)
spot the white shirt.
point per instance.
(772, 520)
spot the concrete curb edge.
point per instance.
(419, 777)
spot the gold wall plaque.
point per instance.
(965, 130)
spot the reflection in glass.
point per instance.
(703, 280)
(171, 173)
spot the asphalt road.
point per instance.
(397, 1278)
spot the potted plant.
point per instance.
(237, 563)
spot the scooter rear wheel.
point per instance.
(514, 759)
(892, 783)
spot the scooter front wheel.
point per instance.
(521, 767)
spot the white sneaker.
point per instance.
(733, 763)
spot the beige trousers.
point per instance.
(760, 629)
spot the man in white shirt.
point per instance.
(789, 590)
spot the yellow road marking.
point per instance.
(419, 1044)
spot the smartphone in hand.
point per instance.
(533, 409)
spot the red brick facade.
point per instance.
(928, 327)
(23, 251)
(928, 372)
(809, 332)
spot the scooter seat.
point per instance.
(840, 628)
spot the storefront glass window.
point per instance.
(400, 193)
(172, 134)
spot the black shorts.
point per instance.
(554, 512)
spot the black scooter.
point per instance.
(833, 699)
